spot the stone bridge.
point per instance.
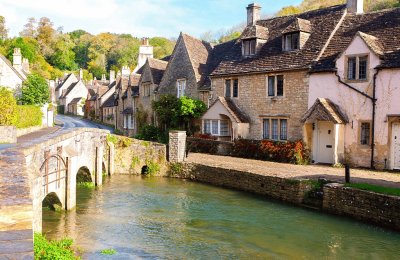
(46, 168)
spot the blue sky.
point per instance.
(137, 17)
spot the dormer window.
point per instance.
(249, 47)
(357, 68)
(291, 41)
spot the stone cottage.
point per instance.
(354, 94)
(13, 74)
(260, 88)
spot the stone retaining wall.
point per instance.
(25, 131)
(8, 134)
(379, 209)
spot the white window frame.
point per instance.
(218, 127)
(279, 128)
(180, 87)
(275, 85)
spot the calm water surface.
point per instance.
(159, 218)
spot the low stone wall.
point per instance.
(132, 155)
(288, 190)
(379, 209)
(8, 134)
(25, 131)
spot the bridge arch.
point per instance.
(52, 201)
(83, 175)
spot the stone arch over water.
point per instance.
(52, 201)
(84, 175)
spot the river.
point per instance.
(160, 218)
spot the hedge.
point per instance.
(28, 116)
(8, 105)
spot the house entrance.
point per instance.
(396, 145)
(326, 141)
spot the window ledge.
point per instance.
(356, 80)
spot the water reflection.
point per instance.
(163, 218)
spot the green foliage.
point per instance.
(8, 106)
(35, 90)
(289, 10)
(375, 188)
(49, 250)
(149, 133)
(152, 167)
(125, 141)
(28, 116)
(112, 139)
(87, 185)
(167, 110)
(161, 47)
(191, 108)
(176, 169)
(63, 57)
(108, 251)
(135, 161)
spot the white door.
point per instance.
(326, 140)
(396, 145)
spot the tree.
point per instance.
(63, 57)
(8, 107)
(162, 46)
(35, 90)
(45, 36)
(167, 110)
(288, 10)
(3, 29)
(190, 109)
(29, 28)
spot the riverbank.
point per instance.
(310, 186)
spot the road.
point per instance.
(76, 122)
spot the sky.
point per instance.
(141, 18)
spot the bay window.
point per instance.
(216, 127)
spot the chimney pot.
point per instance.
(253, 14)
(355, 6)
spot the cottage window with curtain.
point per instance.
(216, 127)
(232, 88)
(357, 68)
(275, 129)
(146, 89)
(249, 47)
(181, 87)
(291, 41)
(275, 86)
(365, 133)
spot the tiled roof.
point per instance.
(157, 68)
(235, 112)
(325, 110)
(12, 67)
(298, 25)
(134, 80)
(69, 89)
(127, 111)
(380, 30)
(271, 56)
(66, 78)
(75, 100)
(109, 102)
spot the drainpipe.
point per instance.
(373, 100)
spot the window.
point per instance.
(146, 89)
(357, 68)
(365, 134)
(291, 41)
(232, 88)
(125, 121)
(275, 129)
(216, 127)
(275, 86)
(181, 87)
(249, 47)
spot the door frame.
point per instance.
(316, 137)
(392, 145)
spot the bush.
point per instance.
(151, 133)
(8, 106)
(35, 90)
(44, 249)
(28, 116)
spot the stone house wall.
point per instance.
(253, 100)
(9, 78)
(144, 103)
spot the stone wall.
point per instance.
(379, 209)
(131, 155)
(8, 134)
(255, 103)
(177, 146)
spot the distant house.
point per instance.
(13, 74)
(354, 92)
(73, 98)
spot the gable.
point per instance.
(358, 46)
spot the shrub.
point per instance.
(150, 133)
(35, 90)
(44, 249)
(152, 167)
(8, 106)
(112, 139)
(108, 251)
(28, 116)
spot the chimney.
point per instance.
(145, 41)
(253, 14)
(81, 74)
(145, 52)
(17, 58)
(112, 76)
(125, 72)
(25, 65)
(103, 77)
(355, 6)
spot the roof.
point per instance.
(62, 83)
(298, 25)
(271, 57)
(157, 68)
(233, 110)
(325, 110)
(255, 31)
(134, 79)
(109, 102)
(12, 67)
(379, 30)
(69, 89)
(128, 110)
(75, 100)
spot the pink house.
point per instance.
(354, 92)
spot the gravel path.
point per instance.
(387, 179)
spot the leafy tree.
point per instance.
(63, 57)
(77, 34)
(81, 49)
(8, 106)
(190, 109)
(288, 10)
(45, 36)
(3, 28)
(29, 28)
(35, 90)
(167, 110)
(161, 46)
(124, 52)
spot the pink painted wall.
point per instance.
(359, 108)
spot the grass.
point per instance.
(375, 188)
(49, 250)
(108, 251)
(88, 185)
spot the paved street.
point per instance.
(75, 122)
